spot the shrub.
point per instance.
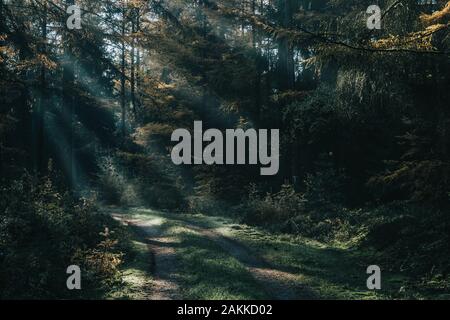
(313, 213)
(43, 230)
(410, 238)
(272, 210)
(138, 179)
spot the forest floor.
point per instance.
(202, 257)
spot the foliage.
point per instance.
(363, 117)
(43, 230)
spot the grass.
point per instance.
(136, 272)
(206, 271)
(330, 272)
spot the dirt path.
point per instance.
(163, 259)
(278, 284)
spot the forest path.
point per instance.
(162, 261)
(192, 257)
(278, 284)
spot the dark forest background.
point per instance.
(86, 118)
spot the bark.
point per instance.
(257, 51)
(1, 15)
(68, 103)
(122, 76)
(138, 54)
(286, 54)
(133, 66)
(287, 81)
(40, 138)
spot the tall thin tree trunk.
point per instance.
(68, 103)
(286, 57)
(253, 7)
(138, 53)
(287, 79)
(1, 44)
(122, 70)
(133, 66)
(257, 52)
(1, 15)
(43, 97)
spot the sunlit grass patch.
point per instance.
(136, 274)
(330, 272)
(206, 271)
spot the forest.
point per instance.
(92, 92)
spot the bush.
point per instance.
(138, 180)
(43, 230)
(324, 190)
(273, 210)
(314, 213)
(410, 238)
(208, 205)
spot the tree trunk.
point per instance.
(122, 70)
(133, 66)
(138, 54)
(1, 15)
(286, 55)
(1, 43)
(257, 52)
(287, 80)
(68, 103)
(40, 143)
